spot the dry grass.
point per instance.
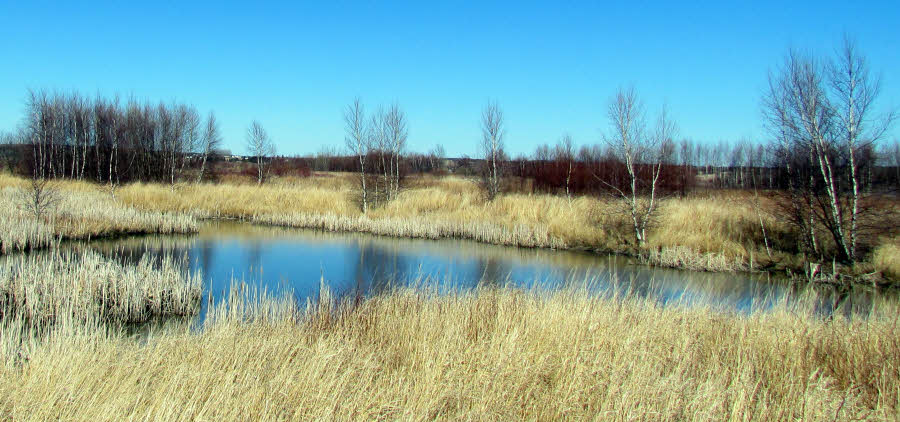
(484, 355)
(42, 288)
(886, 259)
(82, 212)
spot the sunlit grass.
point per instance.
(78, 213)
(488, 354)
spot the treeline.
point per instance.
(68, 135)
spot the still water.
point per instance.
(294, 261)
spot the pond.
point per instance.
(297, 261)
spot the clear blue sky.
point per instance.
(552, 67)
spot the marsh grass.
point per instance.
(79, 214)
(487, 354)
(43, 288)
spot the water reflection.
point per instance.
(356, 264)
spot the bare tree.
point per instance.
(357, 140)
(642, 154)
(261, 147)
(565, 154)
(492, 131)
(436, 156)
(395, 124)
(825, 111)
(210, 142)
(38, 197)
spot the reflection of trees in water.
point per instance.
(155, 249)
(254, 257)
(491, 272)
(378, 269)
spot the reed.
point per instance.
(42, 288)
(79, 214)
(489, 354)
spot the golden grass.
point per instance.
(81, 212)
(495, 354)
(886, 259)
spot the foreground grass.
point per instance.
(496, 354)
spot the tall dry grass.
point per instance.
(81, 211)
(41, 288)
(495, 354)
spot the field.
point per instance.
(498, 354)
(67, 351)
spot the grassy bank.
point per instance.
(721, 231)
(724, 226)
(483, 355)
(79, 211)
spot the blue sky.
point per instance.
(551, 66)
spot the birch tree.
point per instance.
(212, 139)
(641, 152)
(396, 126)
(261, 148)
(825, 110)
(492, 131)
(357, 140)
(565, 154)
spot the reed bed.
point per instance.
(79, 214)
(489, 354)
(689, 259)
(523, 236)
(42, 288)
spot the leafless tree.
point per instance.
(39, 197)
(565, 154)
(397, 131)
(261, 147)
(642, 154)
(825, 110)
(357, 140)
(492, 131)
(211, 141)
(894, 157)
(436, 156)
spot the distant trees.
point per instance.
(436, 158)
(492, 131)
(261, 147)
(642, 154)
(212, 140)
(821, 113)
(73, 136)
